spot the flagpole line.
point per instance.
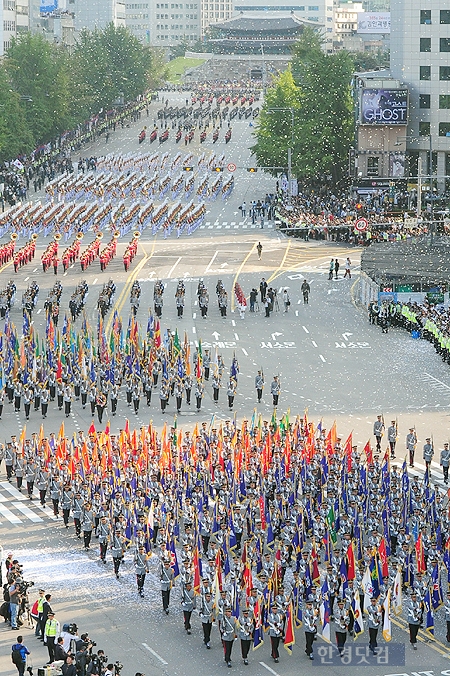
(238, 273)
(128, 284)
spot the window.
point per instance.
(372, 166)
(425, 72)
(313, 8)
(444, 101)
(444, 72)
(444, 128)
(445, 16)
(424, 101)
(425, 16)
(424, 128)
(425, 44)
(444, 45)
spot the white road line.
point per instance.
(47, 511)
(194, 314)
(12, 518)
(305, 329)
(314, 343)
(26, 511)
(35, 270)
(158, 657)
(6, 486)
(95, 280)
(266, 666)
(233, 323)
(173, 267)
(322, 358)
(39, 311)
(211, 262)
(236, 336)
(244, 351)
(437, 380)
(296, 313)
(26, 279)
(194, 329)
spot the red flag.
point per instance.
(420, 556)
(351, 562)
(383, 558)
(315, 573)
(196, 563)
(289, 637)
(262, 513)
(368, 452)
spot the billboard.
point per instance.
(48, 6)
(397, 165)
(384, 106)
(374, 22)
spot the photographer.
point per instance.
(109, 670)
(14, 601)
(95, 666)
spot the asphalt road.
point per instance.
(331, 361)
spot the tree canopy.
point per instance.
(46, 90)
(317, 117)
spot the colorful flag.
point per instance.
(331, 525)
(358, 627)
(258, 639)
(367, 588)
(387, 628)
(429, 623)
(325, 613)
(397, 594)
(289, 637)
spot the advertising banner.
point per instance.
(374, 22)
(384, 107)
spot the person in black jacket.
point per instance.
(60, 653)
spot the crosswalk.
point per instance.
(17, 509)
(233, 225)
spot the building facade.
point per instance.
(214, 11)
(174, 22)
(91, 14)
(420, 57)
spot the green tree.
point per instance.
(318, 122)
(15, 135)
(39, 74)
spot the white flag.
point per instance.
(325, 622)
(397, 594)
(358, 626)
(387, 630)
(368, 588)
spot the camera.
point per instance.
(118, 666)
(24, 586)
(72, 629)
(93, 644)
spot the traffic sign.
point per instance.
(231, 167)
(361, 224)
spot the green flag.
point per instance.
(331, 525)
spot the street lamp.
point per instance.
(400, 141)
(289, 150)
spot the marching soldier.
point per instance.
(188, 603)
(206, 364)
(104, 535)
(206, 616)
(199, 393)
(378, 430)
(309, 623)
(259, 385)
(216, 387)
(245, 633)
(428, 452)
(445, 462)
(166, 579)
(228, 628)
(411, 443)
(413, 612)
(141, 568)
(231, 390)
(117, 549)
(392, 437)
(342, 619)
(275, 389)
(374, 621)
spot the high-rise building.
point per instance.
(214, 11)
(92, 14)
(174, 22)
(420, 57)
(138, 20)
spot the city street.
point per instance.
(331, 362)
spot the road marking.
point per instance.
(173, 267)
(447, 387)
(236, 336)
(194, 329)
(194, 314)
(39, 311)
(296, 313)
(6, 486)
(266, 666)
(12, 518)
(305, 329)
(26, 511)
(322, 358)
(158, 657)
(211, 262)
(244, 351)
(26, 279)
(238, 273)
(233, 323)
(314, 343)
(276, 272)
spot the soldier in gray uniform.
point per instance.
(103, 534)
(341, 621)
(413, 613)
(188, 603)
(428, 452)
(309, 624)
(259, 385)
(206, 364)
(378, 430)
(77, 508)
(206, 616)
(9, 460)
(411, 443)
(245, 633)
(166, 579)
(374, 622)
(392, 437)
(445, 461)
(141, 568)
(275, 390)
(228, 628)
